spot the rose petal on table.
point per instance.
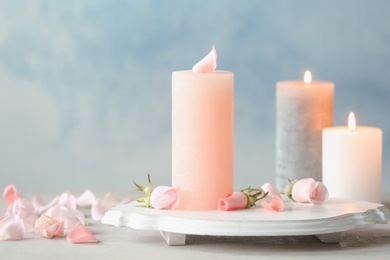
(125, 201)
(164, 197)
(301, 190)
(68, 200)
(81, 235)
(10, 194)
(101, 206)
(318, 192)
(40, 206)
(25, 210)
(72, 218)
(49, 227)
(276, 204)
(86, 199)
(235, 201)
(207, 64)
(271, 189)
(12, 228)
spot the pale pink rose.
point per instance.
(49, 227)
(81, 235)
(271, 189)
(25, 210)
(12, 228)
(309, 190)
(10, 194)
(207, 64)
(235, 201)
(86, 199)
(276, 204)
(101, 206)
(164, 197)
(71, 217)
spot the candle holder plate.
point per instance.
(326, 221)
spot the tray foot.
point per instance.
(331, 238)
(174, 239)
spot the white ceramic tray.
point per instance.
(326, 220)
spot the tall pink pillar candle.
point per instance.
(202, 137)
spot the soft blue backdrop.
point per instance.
(85, 85)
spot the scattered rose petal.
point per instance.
(81, 235)
(235, 201)
(86, 199)
(40, 206)
(308, 190)
(271, 189)
(276, 204)
(207, 64)
(68, 200)
(12, 228)
(101, 206)
(318, 192)
(72, 218)
(10, 194)
(164, 197)
(25, 210)
(49, 227)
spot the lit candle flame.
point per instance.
(307, 77)
(351, 122)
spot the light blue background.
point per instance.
(85, 86)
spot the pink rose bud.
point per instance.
(309, 190)
(49, 227)
(164, 197)
(237, 200)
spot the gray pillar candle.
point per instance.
(303, 109)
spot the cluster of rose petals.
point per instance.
(164, 197)
(234, 201)
(309, 190)
(273, 201)
(58, 215)
(208, 64)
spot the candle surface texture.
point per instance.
(302, 111)
(202, 137)
(352, 162)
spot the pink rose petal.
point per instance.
(207, 64)
(86, 199)
(68, 200)
(318, 192)
(10, 194)
(40, 206)
(12, 228)
(101, 206)
(49, 227)
(81, 235)
(308, 190)
(276, 204)
(271, 189)
(164, 197)
(237, 200)
(25, 210)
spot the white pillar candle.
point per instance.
(303, 109)
(352, 161)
